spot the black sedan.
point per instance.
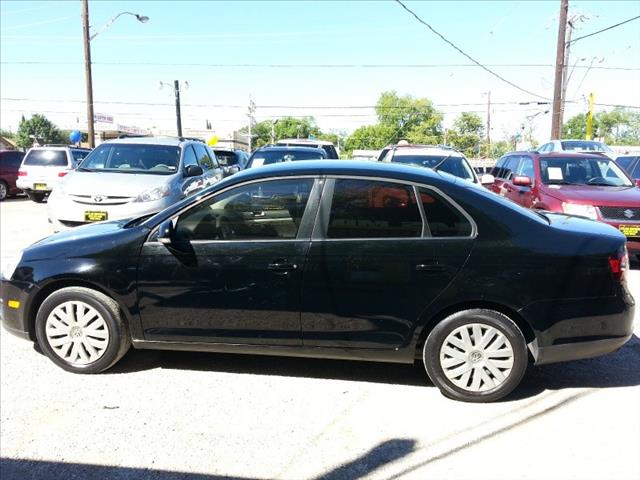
(349, 260)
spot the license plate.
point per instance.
(40, 186)
(95, 216)
(630, 230)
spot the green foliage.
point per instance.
(41, 128)
(469, 123)
(7, 134)
(619, 126)
(369, 137)
(467, 134)
(286, 127)
(411, 118)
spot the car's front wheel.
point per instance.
(476, 355)
(81, 330)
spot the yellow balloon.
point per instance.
(212, 141)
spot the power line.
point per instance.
(604, 29)
(312, 65)
(500, 77)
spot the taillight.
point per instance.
(619, 264)
(22, 173)
(62, 174)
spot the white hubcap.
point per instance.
(476, 357)
(77, 333)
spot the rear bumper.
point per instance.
(576, 351)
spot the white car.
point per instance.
(439, 158)
(577, 146)
(132, 177)
(43, 167)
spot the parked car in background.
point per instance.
(631, 164)
(43, 167)
(328, 147)
(276, 154)
(588, 185)
(348, 260)
(131, 177)
(439, 158)
(231, 161)
(10, 161)
(576, 146)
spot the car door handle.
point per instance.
(282, 267)
(430, 268)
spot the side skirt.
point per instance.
(368, 355)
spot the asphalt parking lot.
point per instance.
(170, 415)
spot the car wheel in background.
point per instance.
(81, 330)
(36, 196)
(476, 355)
(4, 190)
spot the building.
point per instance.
(7, 144)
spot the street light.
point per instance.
(87, 59)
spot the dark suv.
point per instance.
(10, 161)
(589, 185)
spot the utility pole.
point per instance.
(556, 126)
(565, 73)
(252, 109)
(176, 87)
(489, 124)
(87, 72)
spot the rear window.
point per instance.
(226, 158)
(46, 158)
(584, 145)
(276, 156)
(454, 165)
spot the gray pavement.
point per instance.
(172, 415)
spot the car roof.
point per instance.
(167, 141)
(424, 150)
(343, 167)
(560, 154)
(270, 148)
(304, 140)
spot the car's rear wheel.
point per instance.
(81, 330)
(476, 355)
(4, 190)
(37, 197)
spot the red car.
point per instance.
(10, 161)
(589, 185)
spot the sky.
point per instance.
(283, 55)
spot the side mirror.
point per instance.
(165, 232)
(194, 171)
(638, 182)
(487, 179)
(522, 181)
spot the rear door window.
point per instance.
(373, 209)
(443, 219)
(46, 158)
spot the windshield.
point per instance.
(268, 157)
(131, 158)
(454, 165)
(582, 171)
(585, 145)
(46, 158)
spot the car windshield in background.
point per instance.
(46, 158)
(454, 165)
(582, 171)
(584, 145)
(130, 158)
(78, 155)
(226, 158)
(277, 156)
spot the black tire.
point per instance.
(37, 197)
(431, 355)
(118, 341)
(4, 190)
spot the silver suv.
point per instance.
(132, 177)
(43, 167)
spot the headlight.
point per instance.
(154, 194)
(588, 211)
(9, 265)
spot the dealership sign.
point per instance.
(101, 117)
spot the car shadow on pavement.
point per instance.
(24, 469)
(619, 369)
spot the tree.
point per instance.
(467, 134)
(7, 134)
(370, 137)
(414, 119)
(285, 127)
(40, 129)
(619, 126)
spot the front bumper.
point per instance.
(15, 320)
(65, 213)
